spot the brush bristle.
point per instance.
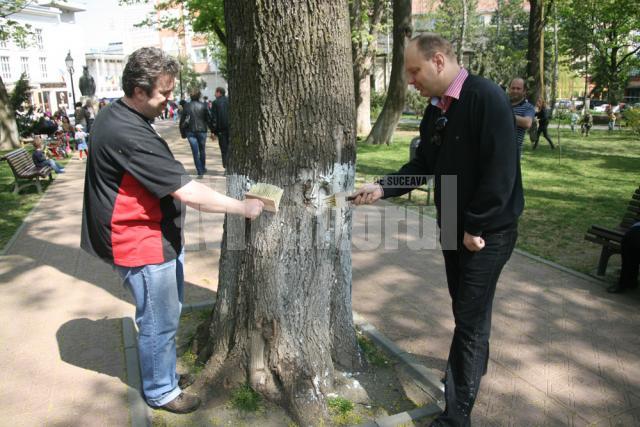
(268, 193)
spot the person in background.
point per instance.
(40, 158)
(220, 123)
(574, 119)
(81, 141)
(630, 253)
(586, 123)
(543, 123)
(467, 132)
(89, 114)
(79, 116)
(612, 118)
(194, 122)
(523, 110)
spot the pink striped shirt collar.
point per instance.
(452, 92)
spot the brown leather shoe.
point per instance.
(185, 381)
(183, 404)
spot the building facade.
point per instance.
(43, 59)
(106, 67)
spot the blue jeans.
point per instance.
(158, 292)
(197, 140)
(472, 278)
(55, 166)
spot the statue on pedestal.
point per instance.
(87, 84)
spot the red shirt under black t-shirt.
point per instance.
(129, 218)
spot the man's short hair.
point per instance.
(195, 95)
(221, 90)
(524, 82)
(430, 43)
(143, 68)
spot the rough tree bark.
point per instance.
(363, 53)
(386, 124)
(556, 71)
(463, 30)
(535, 52)
(283, 316)
(8, 127)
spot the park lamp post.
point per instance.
(69, 63)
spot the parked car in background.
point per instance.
(600, 108)
(563, 104)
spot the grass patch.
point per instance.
(372, 353)
(586, 181)
(246, 399)
(341, 411)
(15, 207)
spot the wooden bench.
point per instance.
(610, 238)
(24, 169)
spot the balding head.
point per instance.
(430, 64)
(430, 43)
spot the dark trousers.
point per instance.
(197, 141)
(544, 131)
(472, 278)
(630, 251)
(223, 141)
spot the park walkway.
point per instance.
(564, 352)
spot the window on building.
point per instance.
(24, 65)
(39, 42)
(3, 44)
(43, 68)
(200, 54)
(5, 67)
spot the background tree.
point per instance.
(21, 35)
(504, 44)
(283, 317)
(189, 80)
(535, 51)
(366, 24)
(458, 22)
(601, 39)
(385, 126)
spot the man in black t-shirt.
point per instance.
(133, 217)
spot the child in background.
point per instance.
(81, 138)
(574, 119)
(40, 159)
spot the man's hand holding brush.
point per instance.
(367, 194)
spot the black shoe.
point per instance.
(186, 380)
(616, 289)
(183, 404)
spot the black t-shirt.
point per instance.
(129, 217)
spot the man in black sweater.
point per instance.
(467, 135)
(220, 123)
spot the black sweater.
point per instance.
(478, 148)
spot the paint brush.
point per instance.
(269, 194)
(338, 200)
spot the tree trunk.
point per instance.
(554, 80)
(363, 51)
(363, 102)
(283, 316)
(386, 124)
(463, 30)
(9, 137)
(535, 52)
